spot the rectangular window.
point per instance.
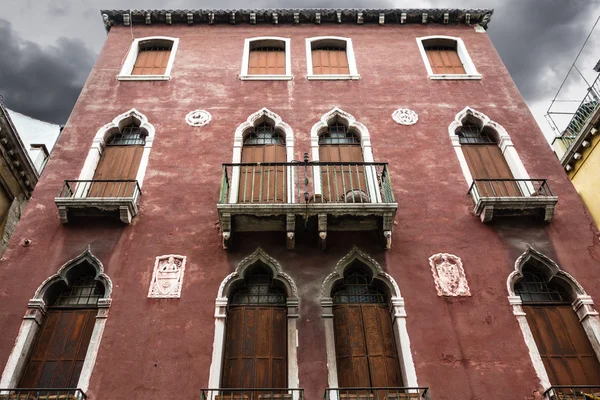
(266, 61)
(152, 60)
(444, 60)
(330, 61)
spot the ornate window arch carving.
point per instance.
(36, 309)
(259, 256)
(581, 302)
(409, 374)
(262, 115)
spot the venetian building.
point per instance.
(291, 204)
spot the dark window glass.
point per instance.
(130, 135)
(258, 289)
(534, 288)
(337, 133)
(85, 291)
(264, 134)
(472, 134)
(358, 288)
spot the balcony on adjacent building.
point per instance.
(582, 126)
(42, 394)
(378, 393)
(590, 392)
(321, 196)
(512, 197)
(252, 394)
(112, 198)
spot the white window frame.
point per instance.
(463, 54)
(128, 64)
(33, 320)
(259, 255)
(349, 54)
(244, 76)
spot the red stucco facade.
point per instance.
(463, 348)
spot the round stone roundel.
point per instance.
(404, 116)
(198, 118)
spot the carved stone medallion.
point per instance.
(449, 275)
(404, 116)
(198, 118)
(167, 277)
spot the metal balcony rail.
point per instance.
(510, 188)
(252, 394)
(306, 182)
(377, 393)
(42, 394)
(586, 109)
(591, 392)
(100, 188)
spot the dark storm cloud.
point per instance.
(42, 82)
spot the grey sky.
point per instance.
(47, 48)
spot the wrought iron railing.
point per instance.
(377, 393)
(306, 182)
(510, 188)
(573, 393)
(100, 188)
(42, 394)
(252, 394)
(586, 109)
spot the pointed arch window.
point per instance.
(365, 347)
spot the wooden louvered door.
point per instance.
(263, 183)
(151, 62)
(344, 182)
(271, 62)
(365, 348)
(59, 350)
(117, 163)
(255, 348)
(330, 61)
(486, 161)
(563, 345)
(445, 61)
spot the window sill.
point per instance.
(266, 77)
(455, 77)
(332, 77)
(143, 77)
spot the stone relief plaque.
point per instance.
(449, 275)
(404, 116)
(167, 277)
(198, 118)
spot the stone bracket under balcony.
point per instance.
(322, 196)
(494, 198)
(110, 198)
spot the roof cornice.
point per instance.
(14, 153)
(299, 16)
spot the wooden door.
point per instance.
(330, 61)
(445, 61)
(263, 183)
(365, 348)
(117, 163)
(345, 182)
(255, 348)
(486, 161)
(563, 345)
(59, 350)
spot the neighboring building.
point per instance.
(291, 204)
(578, 150)
(23, 153)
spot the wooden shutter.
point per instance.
(445, 61)
(339, 181)
(117, 163)
(488, 162)
(332, 61)
(365, 348)
(59, 350)
(263, 183)
(151, 62)
(270, 62)
(563, 345)
(255, 348)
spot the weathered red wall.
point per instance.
(467, 348)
